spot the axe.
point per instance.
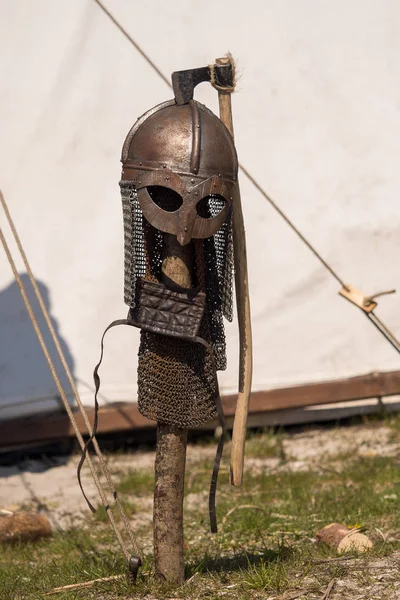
(221, 75)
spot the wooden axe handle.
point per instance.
(243, 311)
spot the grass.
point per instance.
(265, 544)
(27, 571)
(139, 482)
(101, 515)
(272, 577)
(267, 444)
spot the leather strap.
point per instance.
(220, 447)
(96, 407)
(218, 403)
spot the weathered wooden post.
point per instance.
(177, 267)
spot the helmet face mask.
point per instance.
(182, 161)
(187, 210)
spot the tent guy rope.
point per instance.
(347, 289)
(103, 466)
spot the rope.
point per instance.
(134, 44)
(385, 331)
(293, 226)
(223, 89)
(64, 363)
(372, 316)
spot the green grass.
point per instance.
(29, 570)
(101, 515)
(267, 444)
(265, 544)
(138, 482)
(271, 577)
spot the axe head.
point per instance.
(184, 82)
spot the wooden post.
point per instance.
(171, 449)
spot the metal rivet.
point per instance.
(140, 163)
(164, 166)
(167, 178)
(186, 228)
(219, 175)
(192, 181)
(196, 193)
(189, 191)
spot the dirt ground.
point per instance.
(51, 485)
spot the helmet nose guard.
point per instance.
(183, 237)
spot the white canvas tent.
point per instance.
(317, 122)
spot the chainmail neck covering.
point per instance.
(176, 381)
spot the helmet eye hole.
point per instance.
(165, 198)
(210, 206)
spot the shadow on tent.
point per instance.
(27, 387)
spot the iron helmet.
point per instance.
(183, 163)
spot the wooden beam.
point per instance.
(125, 416)
(372, 385)
(56, 426)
